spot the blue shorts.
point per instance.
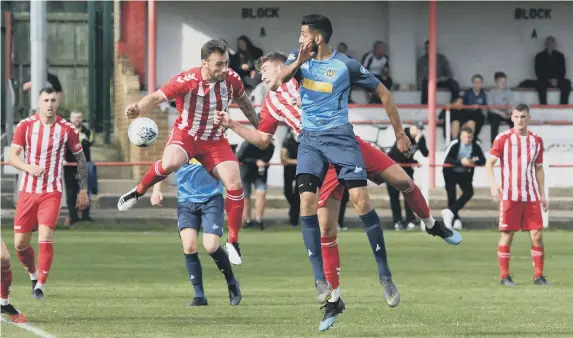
(259, 183)
(337, 146)
(209, 215)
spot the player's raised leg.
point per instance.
(6, 282)
(174, 156)
(212, 220)
(218, 158)
(399, 179)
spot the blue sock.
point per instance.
(376, 238)
(195, 273)
(224, 265)
(311, 237)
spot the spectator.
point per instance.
(71, 172)
(244, 62)
(343, 204)
(443, 74)
(474, 118)
(52, 81)
(501, 95)
(418, 141)
(378, 64)
(289, 153)
(550, 72)
(463, 153)
(342, 48)
(254, 169)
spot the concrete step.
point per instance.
(108, 153)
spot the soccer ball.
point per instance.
(142, 132)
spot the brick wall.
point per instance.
(126, 90)
(133, 39)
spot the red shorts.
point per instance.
(515, 216)
(375, 160)
(209, 152)
(33, 209)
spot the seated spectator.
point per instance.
(443, 74)
(474, 118)
(550, 72)
(501, 95)
(377, 63)
(342, 48)
(463, 153)
(244, 62)
(254, 170)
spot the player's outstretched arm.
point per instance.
(391, 109)
(146, 104)
(247, 108)
(253, 136)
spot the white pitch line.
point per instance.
(29, 328)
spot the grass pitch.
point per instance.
(133, 283)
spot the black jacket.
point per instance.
(248, 155)
(550, 66)
(399, 157)
(452, 157)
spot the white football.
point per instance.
(142, 132)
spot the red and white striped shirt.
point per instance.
(45, 146)
(518, 155)
(280, 106)
(197, 101)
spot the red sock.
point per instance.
(416, 201)
(503, 256)
(5, 281)
(538, 257)
(234, 205)
(155, 174)
(45, 256)
(28, 258)
(331, 261)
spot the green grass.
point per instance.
(110, 283)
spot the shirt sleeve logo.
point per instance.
(364, 70)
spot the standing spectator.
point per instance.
(289, 153)
(443, 74)
(378, 64)
(474, 118)
(501, 95)
(343, 204)
(550, 72)
(418, 141)
(463, 154)
(52, 82)
(71, 172)
(244, 62)
(254, 169)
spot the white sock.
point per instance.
(429, 222)
(334, 295)
(34, 276)
(4, 302)
(39, 286)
